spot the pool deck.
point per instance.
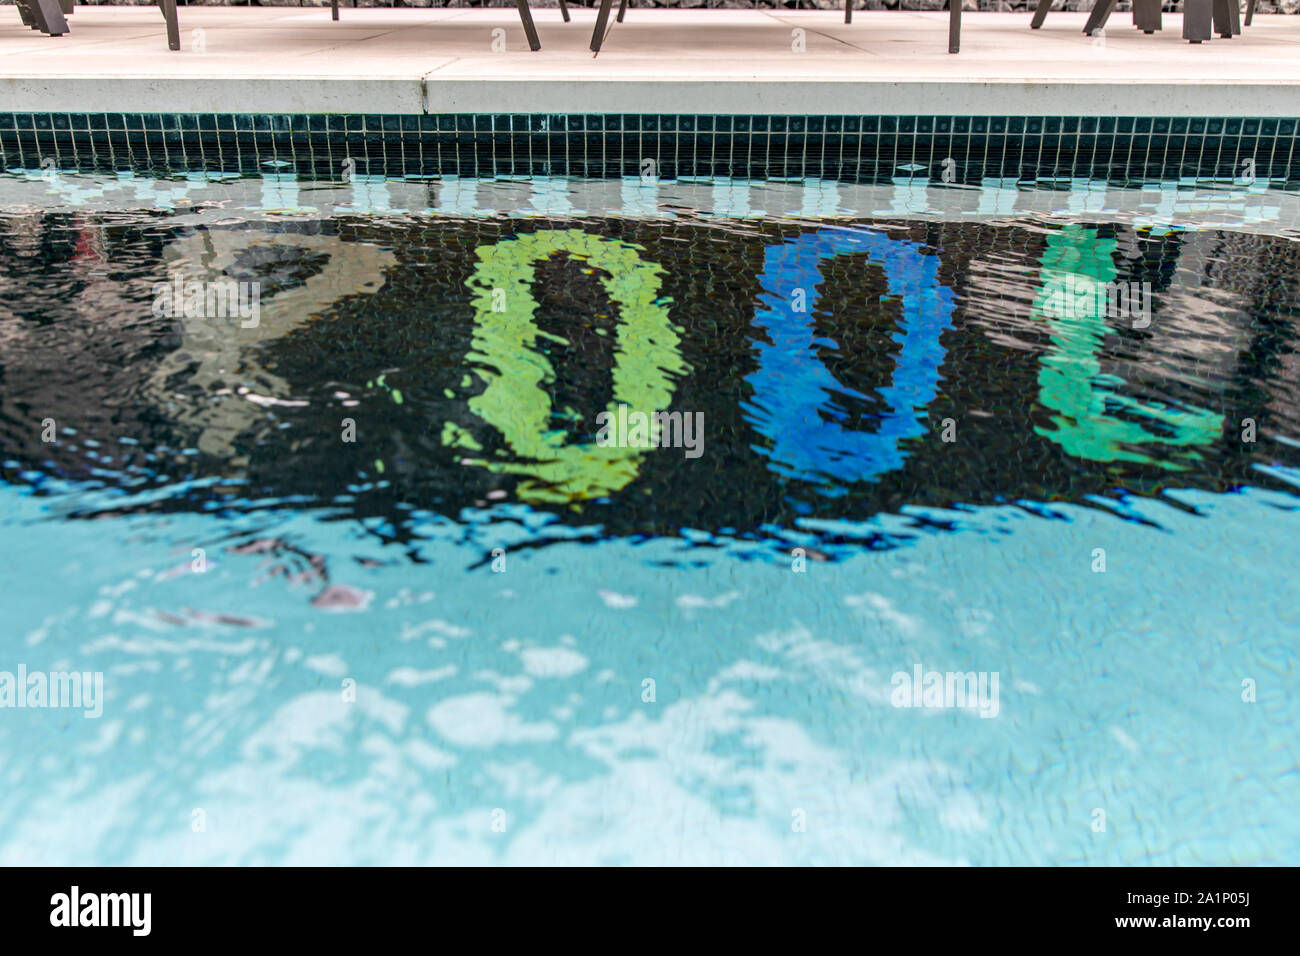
(296, 60)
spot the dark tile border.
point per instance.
(864, 149)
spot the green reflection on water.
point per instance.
(647, 358)
(1070, 379)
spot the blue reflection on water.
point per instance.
(793, 404)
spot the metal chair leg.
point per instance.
(173, 25)
(334, 9)
(954, 26)
(1234, 16)
(1040, 14)
(622, 9)
(49, 17)
(848, 10)
(1196, 20)
(564, 11)
(1101, 12)
(1222, 19)
(530, 30)
(1146, 15)
(1250, 11)
(602, 18)
(32, 15)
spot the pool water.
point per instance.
(367, 580)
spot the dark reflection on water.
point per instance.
(841, 371)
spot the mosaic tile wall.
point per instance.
(846, 148)
(857, 149)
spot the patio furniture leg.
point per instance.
(67, 6)
(334, 9)
(31, 14)
(1250, 11)
(530, 30)
(564, 11)
(848, 10)
(1146, 15)
(622, 9)
(1097, 19)
(1196, 20)
(1234, 15)
(173, 26)
(602, 18)
(954, 26)
(1222, 19)
(1040, 14)
(49, 17)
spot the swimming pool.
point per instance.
(966, 537)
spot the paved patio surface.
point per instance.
(278, 59)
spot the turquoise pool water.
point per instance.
(1053, 445)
